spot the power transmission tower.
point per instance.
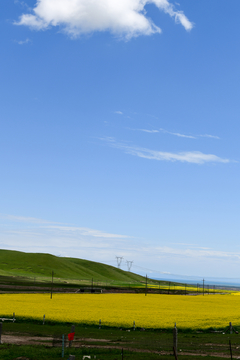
(129, 264)
(119, 260)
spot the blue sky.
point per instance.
(120, 132)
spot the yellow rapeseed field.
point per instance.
(151, 311)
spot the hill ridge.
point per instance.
(41, 265)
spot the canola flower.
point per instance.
(151, 311)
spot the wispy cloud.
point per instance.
(87, 232)
(126, 19)
(197, 253)
(178, 134)
(23, 42)
(194, 157)
(184, 136)
(50, 225)
(22, 4)
(210, 136)
(149, 131)
(36, 235)
(25, 219)
(118, 112)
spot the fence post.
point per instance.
(174, 352)
(230, 348)
(63, 346)
(175, 338)
(70, 342)
(43, 319)
(13, 317)
(134, 325)
(100, 324)
(230, 327)
(0, 332)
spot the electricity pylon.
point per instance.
(129, 264)
(119, 260)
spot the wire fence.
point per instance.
(92, 285)
(223, 342)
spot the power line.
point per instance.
(180, 276)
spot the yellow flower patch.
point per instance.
(151, 311)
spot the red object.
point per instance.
(71, 336)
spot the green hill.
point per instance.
(30, 265)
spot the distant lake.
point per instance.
(217, 282)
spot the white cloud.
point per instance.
(125, 18)
(194, 157)
(189, 136)
(118, 112)
(149, 131)
(22, 42)
(25, 219)
(184, 136)
(210, 136)
(86, 232)
(36, 235)
(197, 253)
(178, 134)
(22, 4)
(66, 229)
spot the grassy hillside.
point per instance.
(16, 263)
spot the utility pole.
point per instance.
(52, 284)
(203, 287)
(146, 286)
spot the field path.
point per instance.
(47, 341)
(26, 340)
